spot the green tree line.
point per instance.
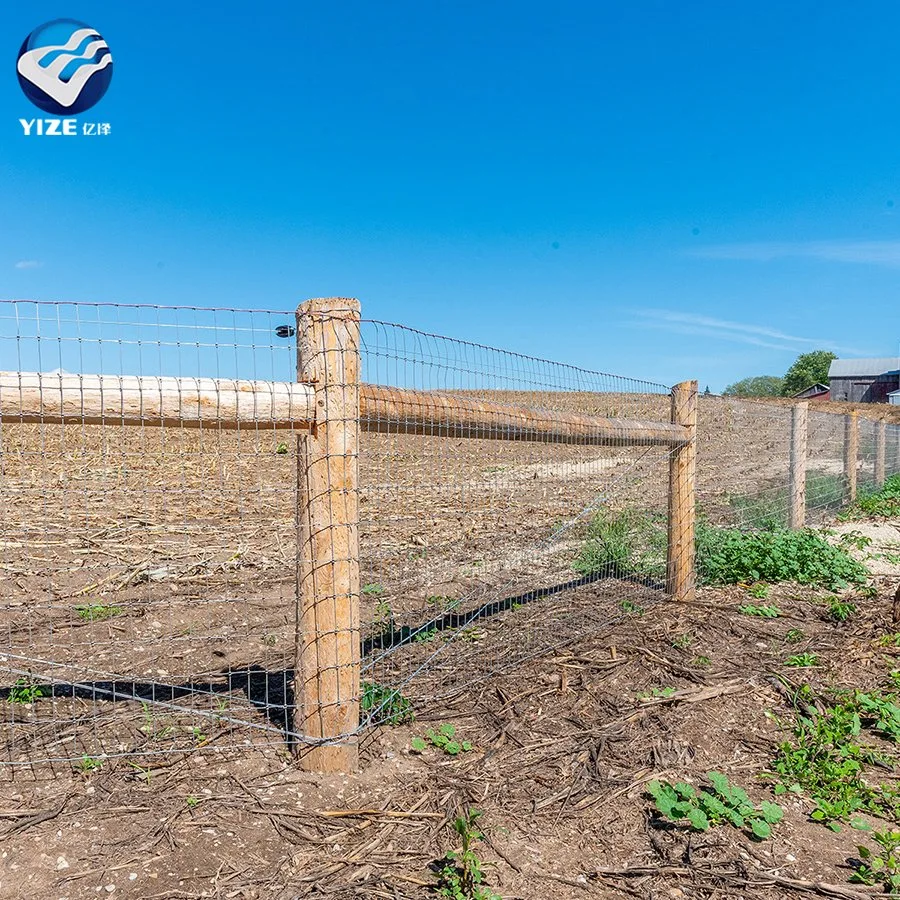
(808, 369)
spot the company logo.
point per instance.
(64, 67)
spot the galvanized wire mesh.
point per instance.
(161, 557)
(471, 546)
(149, 567)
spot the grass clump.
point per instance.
(731, 556)
(884, 502)
(624, 542)
(768, 510)
(722, 803)
(96, 612)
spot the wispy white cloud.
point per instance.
(736, 332)
(28, 264)
(875, 253)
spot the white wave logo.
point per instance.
(49, 78)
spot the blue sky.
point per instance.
(662, 190)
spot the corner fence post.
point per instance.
(851, 455)
(327, 652)
(798, 464)
(880, 448)
(681, 576)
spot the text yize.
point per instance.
(49, 126)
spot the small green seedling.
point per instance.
(443, 739)
(192, 802)
(758, 591)
(682, 641)
(854, 540)
(631, 608)
(656, 693)
(384, 706)
(722, 803)
(882, 867)
(841, 610)
(426, 635)
(281, 448)
(701, 661)
(96, 612)
(89, 764)
(763, 612)
(794, 636)
(802, 660)
(372, 590)
(24, 690)
(461, 877)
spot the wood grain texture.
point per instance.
(880, 452)
(681, 580)
(225, 403)
(327, 665)
(148, 400)
(797, 478)
(851, 455)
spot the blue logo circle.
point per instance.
(64, 67)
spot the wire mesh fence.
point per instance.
(234, 529)
(151, 568)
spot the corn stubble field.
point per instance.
(147, 613)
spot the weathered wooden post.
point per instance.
(681, 576)
(851, 455)
(326, 672)
(798, 464)
(880, 451)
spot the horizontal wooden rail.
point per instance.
(149, 400)
(228, 403)
(397, 410)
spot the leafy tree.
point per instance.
(756, 386)
(808, 369)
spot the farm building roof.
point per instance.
(817, 388)
(848, 368)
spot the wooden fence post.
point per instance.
(880, 448)
(798, 464)
(851, 455)
(327, 662)
(681, 576)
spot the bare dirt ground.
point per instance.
(149, 575)
(563, 749)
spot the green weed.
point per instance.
(281, 448)
(443, 739)
(89, 763)
(802, 660)
(883, 867)
(25, 690)
(624, 542)
(794, 636)
(461, 877)
(764, 612)
(758, 591)
(372, 590)
(730, 556)
(841, 610)
(884, 502)
(383, 705)
(97, 612)
(722, 803)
